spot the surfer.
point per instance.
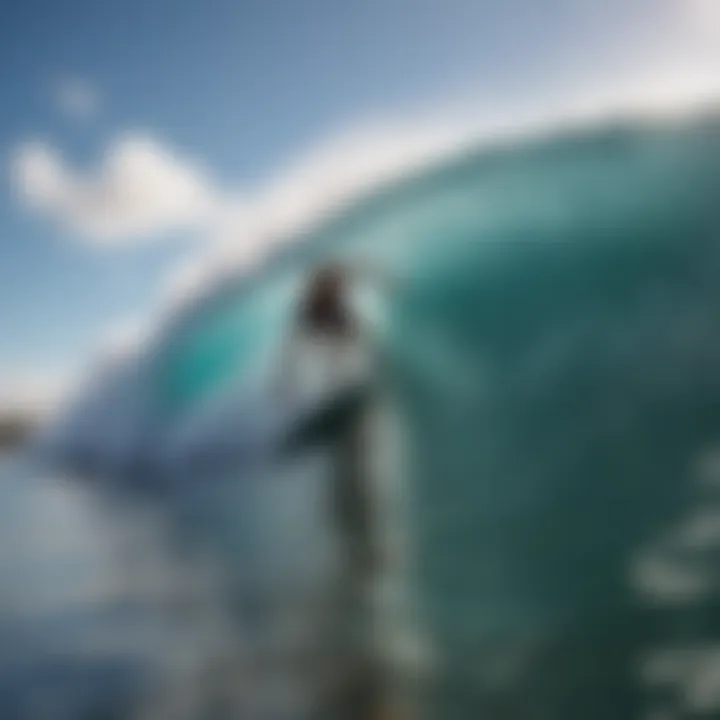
(328, 326)
(337, 358)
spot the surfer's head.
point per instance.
(324, 306)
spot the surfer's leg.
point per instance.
(353, 506)
(365, 689)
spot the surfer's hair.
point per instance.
(324, 305)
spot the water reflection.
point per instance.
(99, 611)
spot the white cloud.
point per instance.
(39, 176)
(139, 190)
(76, 99)
(142, 189)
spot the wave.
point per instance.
(553, 345)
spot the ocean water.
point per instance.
(552, 346)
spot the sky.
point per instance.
(143, 140)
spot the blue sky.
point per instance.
(224, 94)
